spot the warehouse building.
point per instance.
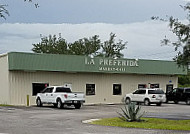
(103, 80)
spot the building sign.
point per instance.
(121, 63)
(116, 65)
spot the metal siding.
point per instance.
(21, 84)
(4, 82)
(73, 63)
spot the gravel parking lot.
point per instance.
(49, 120)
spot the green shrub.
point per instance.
(131, 113)
(184, 81)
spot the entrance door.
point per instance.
(169, 88)
(169, 91)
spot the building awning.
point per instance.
(73, 63)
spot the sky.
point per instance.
(130, 20)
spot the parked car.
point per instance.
(146, 96)
(60, 96)
(178, 94)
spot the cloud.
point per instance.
(143, 37)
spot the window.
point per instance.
(174, 90)
(141, 86)
(155, 92)
(154, 86)
(140, 92)
(116, 89)
(63, 89)
(90, 89)
(48, 90)
(38, 88)
(136, 92)
(180, 90)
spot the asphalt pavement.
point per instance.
(49, 120)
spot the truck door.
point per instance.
(138, 95)
(141, 95)
(46, 95)
(181, 93)
(134, 96)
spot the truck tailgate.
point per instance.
(75, 96)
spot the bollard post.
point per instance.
(27, 100)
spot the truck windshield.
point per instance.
(63, 89)
(155, 92)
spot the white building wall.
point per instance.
(4, 83)
(21, 84)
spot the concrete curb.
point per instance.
(89, 121)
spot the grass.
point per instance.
(148, 123)
(4, 105)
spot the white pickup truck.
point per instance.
(60, 96)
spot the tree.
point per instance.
(77, 48)
(86, 46)
(112, 49)
(184, 81)
(182, 32)
(52, 45)
(55, 45)
(3, 11)
(92, 45)
(35, 4)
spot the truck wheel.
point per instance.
(59, 104)
(39, 102)
(188, 102)
(127, 100)
(77, 106)
(146, 102)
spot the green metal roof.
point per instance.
(73, 63)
